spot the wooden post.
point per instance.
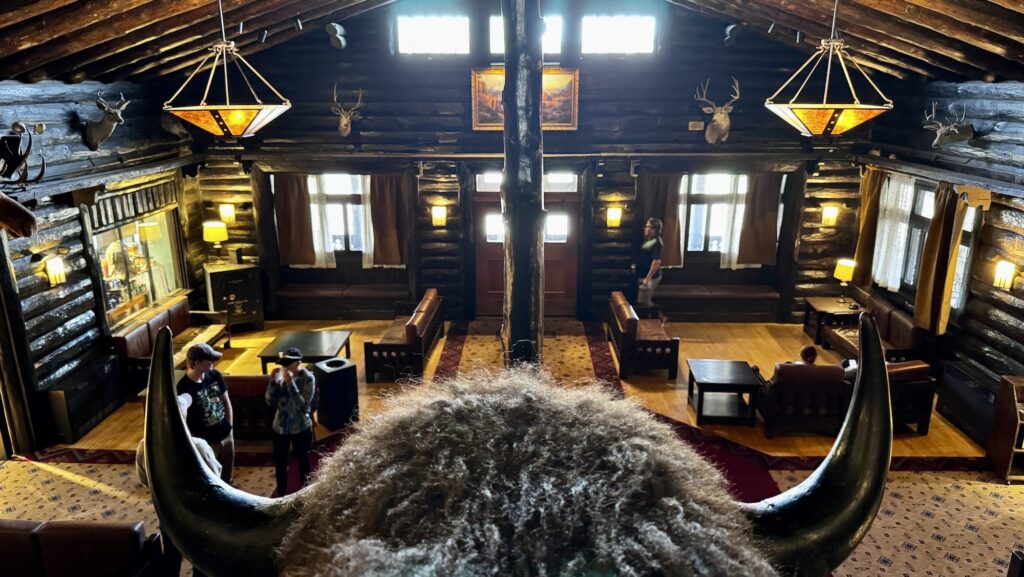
(522, 195)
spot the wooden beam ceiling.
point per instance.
(144, 39)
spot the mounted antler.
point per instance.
(953, 130)
(14, 151)
(345, 117)
(718, 129)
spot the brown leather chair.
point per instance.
(75, 548)
(801, 398)
(913, 394)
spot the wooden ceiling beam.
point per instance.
(850, 26)
(948, 26)
(927, 39)
(153, 13)
(26, 9)
(187, 52)
(153, 40)
(811, 23)
(810, 44)
(998, 20)
(283, 31)
(1012, 5)
(44, 28)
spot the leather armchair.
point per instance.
(801, 398)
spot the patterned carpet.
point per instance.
(952, 523)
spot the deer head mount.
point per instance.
(953, 130)
(717, 130)
(345, 117)
(98, 131)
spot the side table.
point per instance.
(819, 311)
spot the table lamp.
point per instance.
(215, 231)
(844, 273)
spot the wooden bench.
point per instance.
(406, 344)
(730, 303)
(640, 344)
(339, 301)
(133, 342)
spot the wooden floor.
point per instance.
(759, 344)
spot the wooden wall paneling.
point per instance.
(587, 221)
(821, 246)
(224, 181)
(20, 401)
(611, 250)
(441, 262)
(467, 240)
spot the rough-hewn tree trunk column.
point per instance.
(521, 192)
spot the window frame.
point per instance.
(346, 201)
(969, 239)
(705, 254)
(920, 223)
(658, 33)
(396, 36)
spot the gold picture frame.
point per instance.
(559, 102)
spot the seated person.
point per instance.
(808, 355)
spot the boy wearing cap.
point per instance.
(290, 393)
(210, 416)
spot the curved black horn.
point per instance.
(810, 529)
(222, 530)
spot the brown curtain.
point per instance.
(938, 261)
(387, 212)
(294, 219)
(870, 193)
(660, 198)
(759, 236)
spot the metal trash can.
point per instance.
(339, 392)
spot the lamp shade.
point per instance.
(844, 269)
(149, 231)
(215, 231)
(227, 212)
(439, 215)
(1005, 271)
(829, 215)
(614, 216)
(55, 272)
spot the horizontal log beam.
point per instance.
(998, 20)
(40, 30)
(23, 10)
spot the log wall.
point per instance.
(988, 335)
(58, 338)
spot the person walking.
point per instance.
(648, 266)
(290, 393)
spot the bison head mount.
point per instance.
(510, 471)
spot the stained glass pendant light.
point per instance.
(824, 118)
(228, 119)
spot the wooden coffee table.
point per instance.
(315, 345)
(821, 311)
(721, 386)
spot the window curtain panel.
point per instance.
(870, 194)
(660, 194)
(387, 215)
(759, 234)
(938, 261)
(893, 227)
(294, 221)
(730, 246)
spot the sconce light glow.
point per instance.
(614, 216)
(227, 213)
(829, 215)
(55, 271)
(1005, 271)
(439, 215)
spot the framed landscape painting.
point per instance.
(559, 101)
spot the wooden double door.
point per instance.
(561, 247)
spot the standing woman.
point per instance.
(290, 392)
(648, 266)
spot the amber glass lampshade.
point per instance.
(829, 215)
(55, 271)
(439, 215)
(614, 216)
(1005, 271)
(227, 213)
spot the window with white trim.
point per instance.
(336, 201)
(433, 34)
(710, 210)
(618, 34)
(551, 42)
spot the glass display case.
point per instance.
(138, 264)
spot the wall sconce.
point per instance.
(829, 215)
(55, 271)
(227, 213)
(614, 216)
(1005, 271)
(439, 215)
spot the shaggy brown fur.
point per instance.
(507, 474)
